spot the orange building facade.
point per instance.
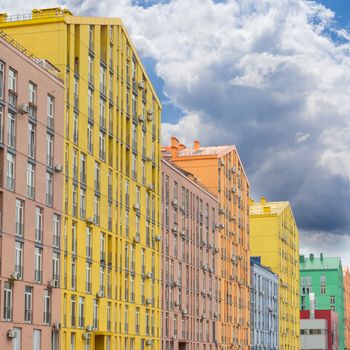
(346, 274)
(220, 170)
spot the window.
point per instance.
(19, 258)
(2, 79)
(88, 277)
(1, 123)
(10, 172)
(88, 243)
(37, 339)
(32, 93)
(102, 80)
(50, 111)
(47, 307)
(91, 37)
(102, 146)
(19, 217)
(12, 86)
(49, 150)
(76, 93)
(126, 319)
(323, 290)
(73, 310)
(74, 238)
(102, 280)
(137, 321)
(74, 200)
(96, 210)
(30, 180)
(83, 168)
(102, 113)
(38, 264)
(97, 176)
(56, 268)
(56, 231)
(308, 280)
(31, 140)
(11, 130)
(134, 167)
(28, 304)
(74, 274)
(323, 280)
(49, 191)
(7, 301)
(81, 313)
(332, 299)
(90, 138)
(82, 203)
(95, 314)
(38, 224)
(91, 70)
(75, 128)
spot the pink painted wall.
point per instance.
(46, 83)
(200, 307)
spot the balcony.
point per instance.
(7, 313)
(12, 98)
(37, 276)
(47, 317)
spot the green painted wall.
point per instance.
(324, 277)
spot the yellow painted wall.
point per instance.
(274, 236)
(64, 40)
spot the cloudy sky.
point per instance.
(271, 76)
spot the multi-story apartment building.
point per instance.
(274, 237)
(323, 276)
(221, 171)
(263, 306)
(190, 280)
(31, 197)
(346, 282)
(111, 187)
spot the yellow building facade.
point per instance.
(274, 236)
(110, 243)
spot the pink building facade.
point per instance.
(190, 279)
(31, 182)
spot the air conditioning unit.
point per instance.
(158, 238)
(209, 294)
(174, 202)
(58, 168)
(89, 328)
(205, 267)
(11, 333)
(149, 275)
(136, 239)
(148, 301)
(99, 294)
(184, 311)
(211, 270)
(56, 326)
(183, 234)
(217, 226)
(23, 108)
(85, 336)
(233, 169)
(150, 188)
(141, 118)
(90, 220)
(222, 225)
(150, 114)
(141, 84)
(204, 292)
(137, 206)
(175, 229)
(149, 342)
(233, 259)
(53, 283)
(234, 189)
(15, 276)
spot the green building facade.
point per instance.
(324, 277)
